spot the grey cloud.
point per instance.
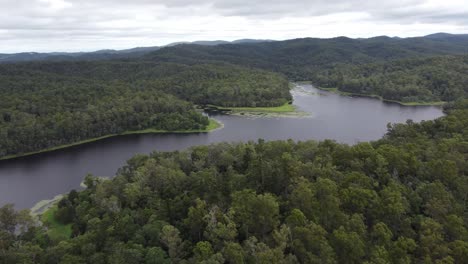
(280, 8)
(248, 8)
(421, 16)
(401, 12)
(28, 20)
(94, 12)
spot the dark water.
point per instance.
(27, 180)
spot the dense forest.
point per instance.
(48, 104)
(401, 199)
(410, 80)
(299, 59)
(216, 83)
(408, 70)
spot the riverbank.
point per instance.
(212, 126)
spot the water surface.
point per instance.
(25, 181)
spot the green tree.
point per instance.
(348, 246)
(256, 214)
(172, 241)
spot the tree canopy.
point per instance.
(410, 80)
(401, 199)
(47, 104)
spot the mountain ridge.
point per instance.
(141, 51)
(110, 53)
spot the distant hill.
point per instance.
(69, 87)
(240, 41)
(447, 36)
(300, 52)
(218, 42)
(108, 53)
(201, 42)
(301, 59)
(64, 56)
(298, 59)
(27, 56)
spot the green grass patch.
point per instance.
(285, 108)
(56, 230)
(213, 124)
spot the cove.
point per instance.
(27, 180)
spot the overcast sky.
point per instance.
(85, 25)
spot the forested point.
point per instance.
(401, 199)
(49, 104)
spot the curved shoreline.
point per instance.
(378, 97)
(212, 126)
(337, 91)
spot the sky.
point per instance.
(87, 25)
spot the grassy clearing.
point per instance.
(336, 91)
(56, 230)
(285, 108)
(213, 125)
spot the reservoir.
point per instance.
(28, 180)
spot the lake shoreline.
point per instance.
(374, 96)
(212, 126)
(285, 110)
(27, 180)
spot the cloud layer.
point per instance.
(82, 25)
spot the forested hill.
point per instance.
(216, 83)
(441, 78)
(76, 56)
(300, 58)
(335, 63)
(48, 104)
(107, 53)
(402, 199)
